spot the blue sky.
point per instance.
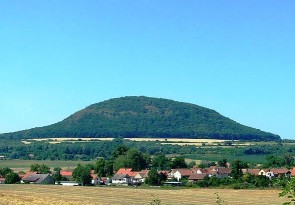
(236, 57)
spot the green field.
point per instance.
(25, 164)
(45, 195)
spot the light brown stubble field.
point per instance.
(46, 194)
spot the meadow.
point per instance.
(25, 164)
(46, 194)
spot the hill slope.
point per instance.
(146, 117)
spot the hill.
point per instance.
(146, 117)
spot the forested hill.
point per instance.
(146, 117)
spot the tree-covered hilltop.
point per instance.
(146, 117)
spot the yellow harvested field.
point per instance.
(45, 195)
(177, 140)
(73, 139)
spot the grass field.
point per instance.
(45, 195)
(25, 164)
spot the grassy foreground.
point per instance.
(45, 195)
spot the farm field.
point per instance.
(25, 164)
(173, 141)
(45, 195)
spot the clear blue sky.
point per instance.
(236, 57)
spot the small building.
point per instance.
(38, 179)
(2, 180)
(124, 171)
(2, 157)
(68, 174)
(121, 179)
(180, 173)
(69, 183)
(197, 177)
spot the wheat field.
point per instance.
(57, 195)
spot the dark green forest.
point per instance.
(146, 117)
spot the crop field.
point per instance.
(173, 141)
(45, 195)
(25, 164)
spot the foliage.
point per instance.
(82, 175)
(219, 200)
(289, 192)
(134, 159)
(178, 162)
(5, 171)
(155, 201)
(237, 167)
(161, 162)
(12, 178)
(154, 178)
(146, 117)
(41, 169)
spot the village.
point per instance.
(128, 177)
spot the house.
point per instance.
(38, 179)
(197, 177)
(122, 179)
(2, 180)
(2, 157)
(199, 170)
(219, 171)
(254, 172)
(124, 171)
(281, 172)
(68, 174)
(95, 179)
(69, 183)
(180, 173)
(140, 177)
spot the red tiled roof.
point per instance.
(133, 174)
(94, 176)
(280, 170)
(66, 173)
(196, 170)
(197, 176)
(251, 171)
(28, 174)
(184, 172)
(124, 171)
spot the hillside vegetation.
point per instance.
(146, 117)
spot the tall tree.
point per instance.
(82, 175)
(154, 178)
(12, 178)
(237, 167)
(161, 162)
(178, 162)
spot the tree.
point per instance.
(222, 163)
(57, 176)
(136, 160)
(41, 169)
(5, 171)
(100, 167)
(178, 162)
(161, 162)
(12, 178)
(288, 160)
(34, 167)
(237, 167)
(82, 175)
(120, 150)
(274, 161)
(154, 178)
(289, 191)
